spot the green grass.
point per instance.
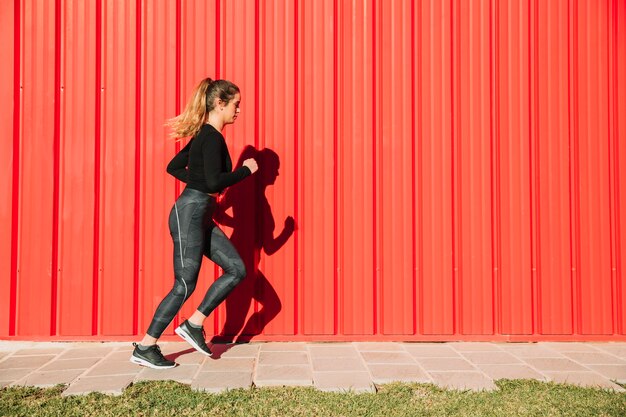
(514, 398)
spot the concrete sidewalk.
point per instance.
(105, 367)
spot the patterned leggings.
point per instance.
(195, 235)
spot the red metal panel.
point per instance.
(8, 111)
(455, 168)
(396, 167)
(435, 162)
(77, 171)
(158, 83)
(356, 165)
(118, 199)
(275, 262)
(316, 187)
(239, 64)
(551, 112)
(473, 158)
(200, 52)
(512, 153)
(37, 159)
(594, 260)
(619, 104)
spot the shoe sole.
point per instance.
(190, 340)
(144, 362)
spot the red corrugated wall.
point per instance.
(456, 169)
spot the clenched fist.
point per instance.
(251, 164)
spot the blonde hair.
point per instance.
(202, 101)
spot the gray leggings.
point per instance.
(195, 235)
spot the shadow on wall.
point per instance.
(253, 230)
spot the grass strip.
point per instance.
(166, 398)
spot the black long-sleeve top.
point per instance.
(205, 164)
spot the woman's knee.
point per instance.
(184, 289)
(238, 269)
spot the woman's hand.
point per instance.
(251, 164)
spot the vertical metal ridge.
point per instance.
(413, 171)
(218, 49)
(612, 128)
(137, 203)
(418, 134)
(375, 137)
(616, 149)
(496, 286)
(256, 119)
(178, 90)
(534, 166)
(56, 168)
(296, 196)
(15, 218)
(218, 64)
(335, 179)
(573, 145)
(256, 73)
(454, 82)
(97, 167)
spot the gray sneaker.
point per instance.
(195, 337)
(151, 357)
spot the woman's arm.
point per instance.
(217, 180)
(178, 165)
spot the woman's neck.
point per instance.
(215, 120)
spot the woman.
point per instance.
(205, 165)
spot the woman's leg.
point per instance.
(223, 253)
(188, 233)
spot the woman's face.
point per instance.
(231, 110)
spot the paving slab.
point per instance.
(229, 364)
(114, 367)
(42, 351)
(378, 347)
(530, 350)
(614, 348)
(119, 355)
(62, 364)
(387, 357)
(475, 346)
(343, 382)
(338, 363)
(490, 357)
(584, 379)
(220, 381)
(188, 357)
(431, 350)
(511, 371)
(111, 384)
(13, 375)
(615, 372)
(470, 380)
(236, 350)
(283, 358)
(279, 375)
(383, 374)
(86, 351)
(569, 346)
(283, 347)
(31, 362)
(182, 373)
(554, 364)
(593, 358)
(334, 351)
(49, 378)
(445, 364)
